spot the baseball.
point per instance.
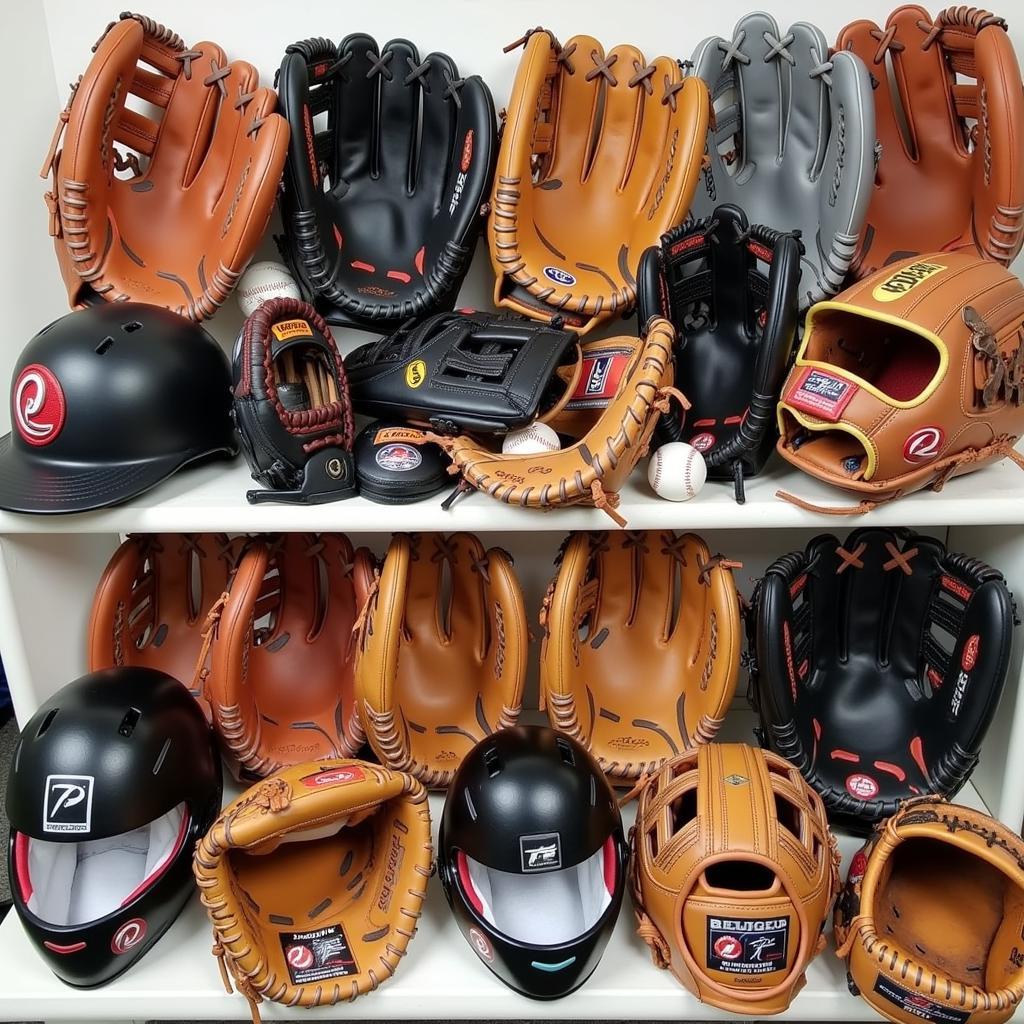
(262, 281)
(537, 437)
(677, 471)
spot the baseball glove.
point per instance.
(314, 879)
(382, 205)
(280, 676)
(794, 141)
(150, 605)
(877, 666)
(929, 923)
(291, 405)
(949, 105)
(734, 874)
(599, 156)
(731, 291)
(442, 653)
(911, 377)
(665, 607)
(606, 428)
(181, 225)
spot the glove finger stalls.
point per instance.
(438, 139)
(617, 559)
(501, 686)
(621, 104)
(577, 108)
(808, 124)
(464, 620)
(718, 184)
(352, 108)
(399, 90)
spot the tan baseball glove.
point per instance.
(442, 653)
(930, 920)
(734, 874)
(599, 157)
(314, 879)
(641, 648)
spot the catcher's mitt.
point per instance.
(281, 652)
(911, 377)
(180, 227)
(442, 653)
(314, 880)
(641, 647)
(599, 157)
(734, 874)
(382, 206)
(291, 405)
(730, 289)
(930, 921)
(606, 427)
(151, 602)
(794, 141)
(949, 105)
(877, 666)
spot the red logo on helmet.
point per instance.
(863, 787)
(923, 445)
(728, 947)
(480, 944)
(39, 407)
(702, 442)
(970, 655)
(128, 936)
(467, 151)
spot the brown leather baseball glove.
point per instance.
(165, 208)
(930, 920)
(314, 879)
(280, 669)
(912, 376)
(949, 108)
(641, 649)
(609, 141)
(442, 652)
(734, 874)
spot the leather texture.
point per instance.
(280, 677)
(441, 653)
(909, 378)
(382, 203)
(151, 602)
(605, 427)
(480, 372)
(731, 290)
(949, 105)
(930, 920)
(734, 875)
(793, 144)
(877, 667)
(627, 606)
(314, 881)
(179, 229)
(570, 217)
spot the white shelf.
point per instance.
(212, 498)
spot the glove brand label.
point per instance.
(287, 329)
(970, 656)
(861, 786)
(334, 777)
(918, 1005)
(963, 679)
(398, 458)
(703, 442)
(746, 945)
(67, 803)
(896, 286)
(821, 394)
(460, 180)
(542, 852)
(599, 381)
(318, 955)
(415, 373)
(386, 434)
(39, 407)
(396, 852)
(923, 445)
(128, 936)
(559, 276)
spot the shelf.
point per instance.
(212, 498)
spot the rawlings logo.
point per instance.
(923, 445)
(467, 152)
(460, 180)
(307, 128)
(395, 853)
(559, 276)
(236, 198)
(335, 777)
(837, 178)
(970, 656)
(39, 407)
(663, 184)
(896, 286)
(499, 653)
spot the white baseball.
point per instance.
(677, 471)
(537, 437)
(262, 281)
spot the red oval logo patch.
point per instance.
(467, 151)
(128, 936)
(863, 787)
(970, 655)
(39, 407)
(923, 445)
(728, 947)
(335, 777)
(858, 866)
(702, 442)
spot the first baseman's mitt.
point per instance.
(641, 649)
(442, 653)
(731, 290)
(931, 918)
(877, 666)
(599, 157)
(909, 378)
(181, 225)
(151, 603)
(382, 205)
(949, 106)
(734, 874)
(794, 141)
(314, 879)
(280, 671)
